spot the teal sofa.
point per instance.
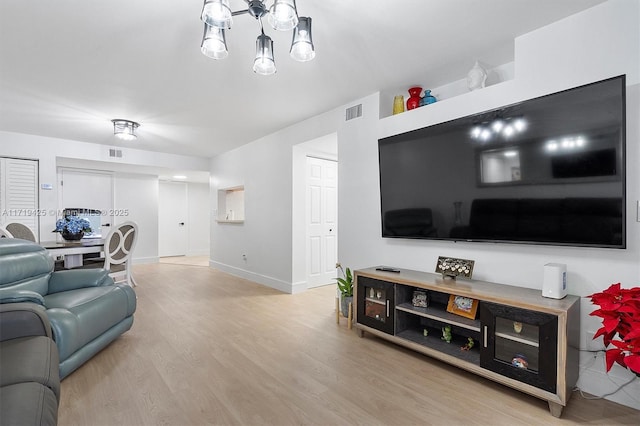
(86, 309)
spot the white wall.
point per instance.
(265, 169)
(199, 220)
(598, 43)
(541, 68)
(140, 197)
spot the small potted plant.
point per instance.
(620, 313)
(72, 227)
(345, 285)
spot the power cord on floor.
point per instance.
(606, 394)
(593, 360)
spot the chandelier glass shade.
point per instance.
(214, 44)
(302, 46)
(282, 15)
(125, 129)
(217, 13)
(264, 64)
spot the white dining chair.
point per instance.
(118, 253)
(20, 230)
(4, 233)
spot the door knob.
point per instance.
(106, 224)
(181, 224)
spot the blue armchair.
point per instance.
(86, 309)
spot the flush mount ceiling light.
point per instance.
(282, 15)
(125, 129)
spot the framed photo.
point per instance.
(420, 299)
(463, 306)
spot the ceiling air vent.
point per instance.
(353, 112)
(115, 153)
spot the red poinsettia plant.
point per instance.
(620, 313)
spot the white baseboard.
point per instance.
(299, 287)
(198, 253)
(275, 283)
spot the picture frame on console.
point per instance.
(463, 306)
(420, 299)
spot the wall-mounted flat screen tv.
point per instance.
(549, 170)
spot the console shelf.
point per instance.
(440, 315)
(518, 338)
(435, 342)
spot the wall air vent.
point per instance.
(353, 112)
(115, 153)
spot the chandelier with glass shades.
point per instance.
(282, 15)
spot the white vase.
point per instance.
(476, 77)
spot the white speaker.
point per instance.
(554, 284)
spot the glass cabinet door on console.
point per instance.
(520, 344)
(375, 303)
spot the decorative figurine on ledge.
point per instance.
(476, 78)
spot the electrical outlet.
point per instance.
(591, 344)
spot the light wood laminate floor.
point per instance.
(209, 348)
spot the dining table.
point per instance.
(73, 251)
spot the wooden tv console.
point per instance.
(518, 338)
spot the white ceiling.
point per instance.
(68, 67)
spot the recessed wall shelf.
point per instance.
(231, 205)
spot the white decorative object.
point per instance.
(476, 77)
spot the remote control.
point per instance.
(386, 269)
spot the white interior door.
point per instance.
(173, 229)
(87, 189)
(322, 221)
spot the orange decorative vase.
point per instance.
(414, 98)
